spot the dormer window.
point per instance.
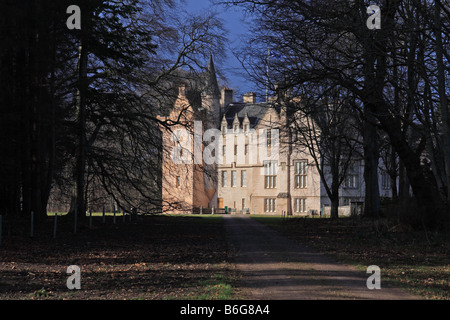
(236, 128)
(246, 127)
(224, 130)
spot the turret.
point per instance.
(211, 96)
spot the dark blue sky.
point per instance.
(237, 28)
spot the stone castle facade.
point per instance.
(281, 180)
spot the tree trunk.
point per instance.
(334, 196)
(36, 109)
(81, 109)
(374, 90)
(425, 192)
(403, 189)
(52, 127)
(393, 174)
(442, 96)
(372, 205)
(334, 207)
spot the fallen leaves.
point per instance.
(129, 261)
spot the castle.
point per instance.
(281, 180)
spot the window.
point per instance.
(301, 174)
(243, 204)
(270, 205)
(270, 174)
(351, 180)
(269, 138)
(178, 182)
(233, 179)
(246, 150)
(300, 205)
(244, 178)
(224, 150)
(385, 181)
(224, 178)
(235, 150)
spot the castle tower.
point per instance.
(211, 102)
(211, 96)
(187, 187)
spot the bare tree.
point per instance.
(329, 132)
(305, 33)
(122, 138)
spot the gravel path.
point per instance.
(276, 268)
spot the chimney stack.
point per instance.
(226, 97)
(250, 97)
(182, 91)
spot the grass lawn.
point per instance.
(156, 258)
(416, 260)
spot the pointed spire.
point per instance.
(211, 85)
(236, 118)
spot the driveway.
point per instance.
(276, 268)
